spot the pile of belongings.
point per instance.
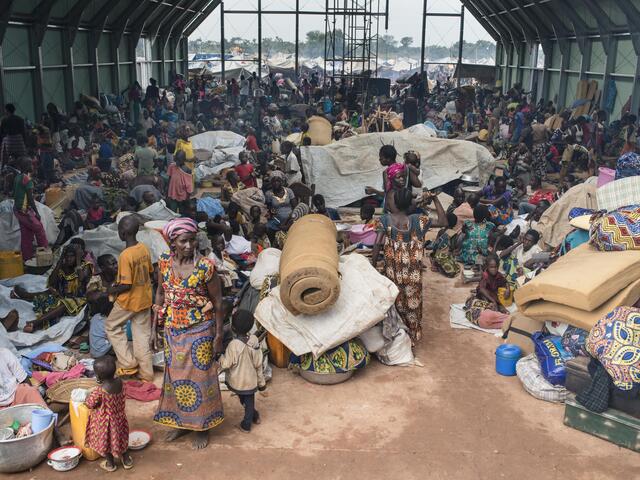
(321, 307)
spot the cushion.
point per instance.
(584, 278)
(541, 310)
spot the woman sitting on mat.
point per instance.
(67, 287)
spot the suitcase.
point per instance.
(578, 379)
(614, 426)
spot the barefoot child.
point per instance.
(108, 429)
(485, 308)
(242, 362)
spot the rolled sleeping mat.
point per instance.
(309, 266)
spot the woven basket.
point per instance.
(61, 391)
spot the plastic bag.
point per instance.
(398, 352)
(373, 339)
(552, 357)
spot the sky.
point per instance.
(404, 20)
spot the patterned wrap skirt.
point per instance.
(191, 396)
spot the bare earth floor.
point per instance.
(455, 418)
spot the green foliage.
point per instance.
(314, 46)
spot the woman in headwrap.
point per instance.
(187, 282)
(280, 201)
(396, 179)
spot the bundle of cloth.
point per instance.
(365, 298)
(582, 287)
(309, 276)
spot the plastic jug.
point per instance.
(41, 419)
(79, 418)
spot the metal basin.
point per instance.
(22, 454)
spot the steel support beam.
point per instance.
(297, 40)
(259, 39)
(36, 55)
(197, 20)
(460, 43)
(167, 31)
(608, 70)
(486, 7)
(529, 35)
(122, 21)
(223, 60)
(5, 13)
(424, 35)
(69, 71)
(74, 17)
(491, 30)
(41, 15)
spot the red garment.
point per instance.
(141, 391)
(540, 195)
(76, 153)
(492, 283)
(30, 227)
(51, 378)
(26, 394)
(108, 428)
(95, 214)
(180, 184)
(244, 172)
(252, 143)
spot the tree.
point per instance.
(406, 42)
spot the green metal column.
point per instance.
(36, 55)
(69, 80)
(115, 71)
(611, 51)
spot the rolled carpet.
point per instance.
(309, 266)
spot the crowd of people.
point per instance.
(136, 151)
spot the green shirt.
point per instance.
(145, 157)
(21, 186)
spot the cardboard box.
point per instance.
(518, 330)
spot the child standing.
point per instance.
(133, 302)
(108, 428)
(242, 362)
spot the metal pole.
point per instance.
(460, 42)
(259, 40)
(222, 44)
(298, 39)
(424, 34)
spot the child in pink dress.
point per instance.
(108, 429)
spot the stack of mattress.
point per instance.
(582, 287)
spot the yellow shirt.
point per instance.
(186, 147)
(134, 268)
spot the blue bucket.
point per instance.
(507, 355)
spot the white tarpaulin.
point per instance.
(10, 238)
(342, 170)
(365, 298)
(216, 139)
(18, 340)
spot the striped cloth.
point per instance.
(530, 374)
(619, 193)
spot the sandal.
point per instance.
(104, 466)
(127, 466)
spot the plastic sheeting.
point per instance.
(365, 298)
(10, 228)
(216, 139)
(225, 148)
(342, 170)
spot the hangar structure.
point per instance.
(54, 50)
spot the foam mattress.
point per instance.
(584, 279)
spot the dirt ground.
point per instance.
(454, 418)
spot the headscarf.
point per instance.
(178, 226)
(392, 171)
(300, 211)
(279, 174)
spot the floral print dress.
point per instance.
(403, 251)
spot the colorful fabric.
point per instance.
(501, 215)
(476, 241)
(574, 341)
(392, 171)
(178, 226)
(184, 298)
(403, 252)
(628, 165)
(539, 162)
(615, 342)
(191, 397)
(579, 212)
(351, 355)
(442, 258)
(474, 308)
(617, 231)
(108, 429)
